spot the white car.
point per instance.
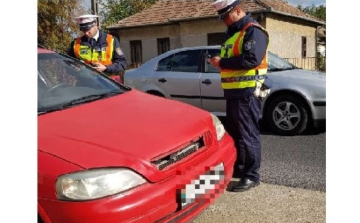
(297, 99)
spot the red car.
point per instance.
(109, 153)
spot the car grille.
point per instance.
(180, 154)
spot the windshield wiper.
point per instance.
(78, 101)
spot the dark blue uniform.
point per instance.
(118, 58)
(242, 107)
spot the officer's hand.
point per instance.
(214, 61)
(99, 67)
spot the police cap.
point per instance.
(86, 21)
(223, 7)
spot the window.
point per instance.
(209, 67)
(216, 38)
(136, 51)
(186, 61)
(165, 64)
(163, 45)
(303, 46)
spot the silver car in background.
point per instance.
(297, 99)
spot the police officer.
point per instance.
(243, 66)
(98, 48)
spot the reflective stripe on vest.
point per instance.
(84, 53)
(235, 79)
(244, 78)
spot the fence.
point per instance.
(309, 63)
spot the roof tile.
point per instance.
(165, 11)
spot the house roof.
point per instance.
(169, 11)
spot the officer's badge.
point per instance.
(118, 51)
(85, 51)
(249, 44)
(229, 46)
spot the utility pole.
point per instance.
(95, 10)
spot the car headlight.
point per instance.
(220, 130)
(97, 183)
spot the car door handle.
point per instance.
(162, 80)
(207, 82)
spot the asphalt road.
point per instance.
(296, 161)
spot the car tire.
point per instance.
(287, 115)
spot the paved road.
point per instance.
(296, 161)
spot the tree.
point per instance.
(112, 11)
(317, 11)
(56, 24)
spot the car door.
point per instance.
(212, 94)
(178, 76)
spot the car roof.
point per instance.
(184, 49)
(197, 48)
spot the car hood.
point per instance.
(299, 74)
(127, 130)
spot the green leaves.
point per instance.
(56, 18)
(56, 24)
(317, 11)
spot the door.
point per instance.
(178, 76)
(212, 94)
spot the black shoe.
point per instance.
(245, 184)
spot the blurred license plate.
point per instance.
(203, 185)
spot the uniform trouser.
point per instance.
(243, 125)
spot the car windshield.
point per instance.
(65, 82)
(278, 64)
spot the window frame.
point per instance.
(136, 51)
(163, 45)
(303, 46)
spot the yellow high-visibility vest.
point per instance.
(88, 55)
(238, 79)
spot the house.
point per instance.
(172, 24)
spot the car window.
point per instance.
(185, 61)
(276, 63)
(62, 79)
(165, 64)
(209, 67)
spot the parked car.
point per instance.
(297, 99)
(109, 153)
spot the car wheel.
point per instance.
(287, 115)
